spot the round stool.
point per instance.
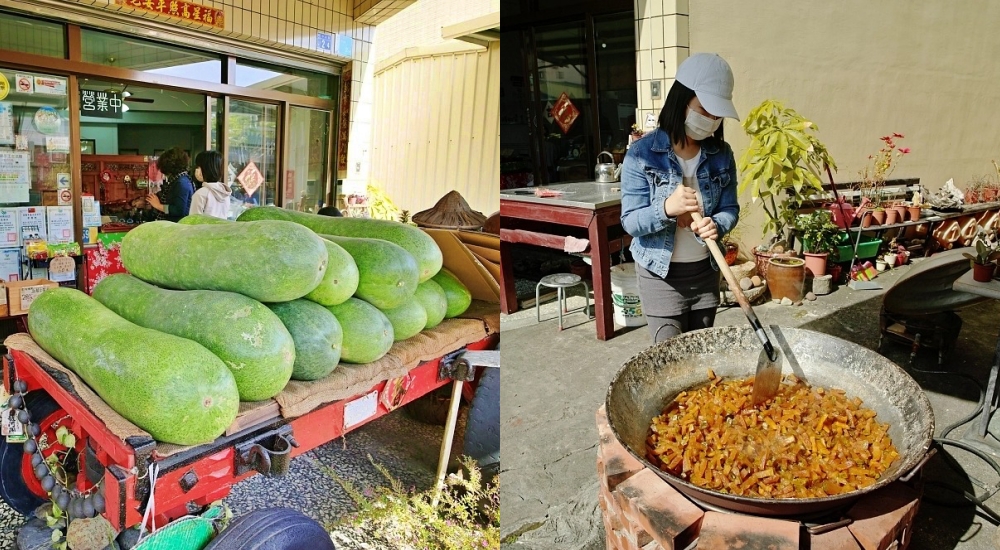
(560, 282)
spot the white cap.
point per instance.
(712, 81)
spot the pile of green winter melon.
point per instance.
(215, 312)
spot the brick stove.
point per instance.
(643, 512)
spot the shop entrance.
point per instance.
(123, 129)
(568, 92)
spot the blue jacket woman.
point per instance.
(174, 198)
(683, 166)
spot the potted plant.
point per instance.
(871, 178)
(781, 168)
(819, 239)
(782, 164)
(984, 260)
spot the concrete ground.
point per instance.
(407, 448)
(553, 382)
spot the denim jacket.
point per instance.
(651, 173)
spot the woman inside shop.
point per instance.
(174, 198)
(683, 166)
(212, 198)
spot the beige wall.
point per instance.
(440, 129)
(861, 70)
(420, 24)
(437, 107)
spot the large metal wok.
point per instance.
(651, 379)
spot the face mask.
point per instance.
(699, 126)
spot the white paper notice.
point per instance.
(6, 123)
(15, 176)
(10, 234)
(60, 224)
(360, 409)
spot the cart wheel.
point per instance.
(273, 529)
(23, 492)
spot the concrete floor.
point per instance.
(553, 382)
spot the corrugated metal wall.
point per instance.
(438, 129)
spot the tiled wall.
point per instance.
(661, 30)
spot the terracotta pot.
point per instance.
(786, 278)
(762, 258)
(913, 213)
(816, 263)
(989, 194)
(980, 273)
(878, 216)
(836, 270)
(891, 216)
(988, 219)
(867, 218)
(971, 196)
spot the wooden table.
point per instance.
(587, 210)
(965, 283)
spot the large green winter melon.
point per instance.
(270, 261)
(407, 320)
(388, 273)
(173, 388)
(415, 241)
(317, 335)
(341, 279)
(202, 219)
(367, 331)
(432, 297)
(241, 331)
(455, 292)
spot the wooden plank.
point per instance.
(576, 217)
(520, 236)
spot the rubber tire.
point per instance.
(273, 529)
(13, 490)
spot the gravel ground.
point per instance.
(406, 448)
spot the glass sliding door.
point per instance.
(306, 159)
(252, 137)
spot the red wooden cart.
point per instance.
(189, 479)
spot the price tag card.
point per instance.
(360, 409)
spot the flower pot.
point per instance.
(989, 194)
(762, 258)
(786, 278)
(971, 196)
(816, 263)
(732, 253)
(913, 213)
(867, 218)
(836, 271)
(983, 273)
(890, 260)
(878, 216)
(900, 212)
(880, 265)
(891, 215)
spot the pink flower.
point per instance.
(886, 138)
(897, 135)
(904, 150)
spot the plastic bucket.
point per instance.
(625, 296)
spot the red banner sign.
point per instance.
(564, 112)
(188, 11)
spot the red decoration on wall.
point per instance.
(565, 112)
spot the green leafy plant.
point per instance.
(782, 165)
(818, 232)
(464, 515)
(987, 247)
